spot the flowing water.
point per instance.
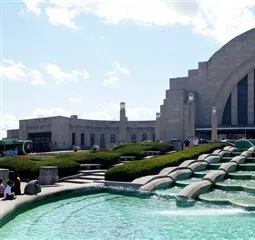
(113, 216)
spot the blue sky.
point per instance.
(64, 57)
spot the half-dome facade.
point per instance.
(225, 81)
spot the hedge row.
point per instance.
(139, 149)
(68, 163)
(136, 169)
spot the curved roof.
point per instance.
(233, 42)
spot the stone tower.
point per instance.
(123, 123)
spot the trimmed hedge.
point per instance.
(136, 169)
(68, 163)
(105, 158)
(139, 149)
(29, 168)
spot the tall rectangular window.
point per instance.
(113, 138)
(133, 138)
(242, 101)
(102, 141)
(226, 119)
(153, 137)
(92, 139)
(82, 139)
(144, 137)
(73, 139)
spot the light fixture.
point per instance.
(213, 110)
(191, 97)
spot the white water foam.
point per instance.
(203, 212)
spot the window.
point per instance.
(73, 139)
(133, 138)
(113, 138)
(242, 101)
(102, 141)
(82, 139)
(92, 139)
(226, 119)
(153, 137)
(144, 137)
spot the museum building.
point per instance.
(224, 84)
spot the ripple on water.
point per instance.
(113, 216)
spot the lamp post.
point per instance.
(191, 130)
(214, 134)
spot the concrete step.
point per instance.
(92, 177)
(90, 166)
(98, 174)
(118, 164)
(78, 181)
(86, 172)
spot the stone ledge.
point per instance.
(11, 208)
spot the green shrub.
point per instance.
(105, 158)
(28, 166)
(139, 149)
(136, 169)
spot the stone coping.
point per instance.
(9, 209)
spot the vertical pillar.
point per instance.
(214, 134)
(191, 124)
(157, 127)
(123, 123)
(251, 97)
(163, 122)
(186, 120)
(234, 118)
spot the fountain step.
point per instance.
(247, 166)
(214, 166)
(241, 199)
(201, 174)
(186, 182)
(236, 185)
(236, 153)
(169, 192)
(242, 175)
(226, 159)
(250, 160)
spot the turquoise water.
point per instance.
(112, 216)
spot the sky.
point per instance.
(61, 57)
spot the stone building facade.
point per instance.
(62, 133)
(225, 83)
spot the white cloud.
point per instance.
(112, 77)
(217, 19)
(61, 16)
(141, 112)
(34, 6)
(110, 111)
(48, 112)
(8, 122)
(60, 76)
(121, 69)
(75, 100)
(97, 116)
(17, 71)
